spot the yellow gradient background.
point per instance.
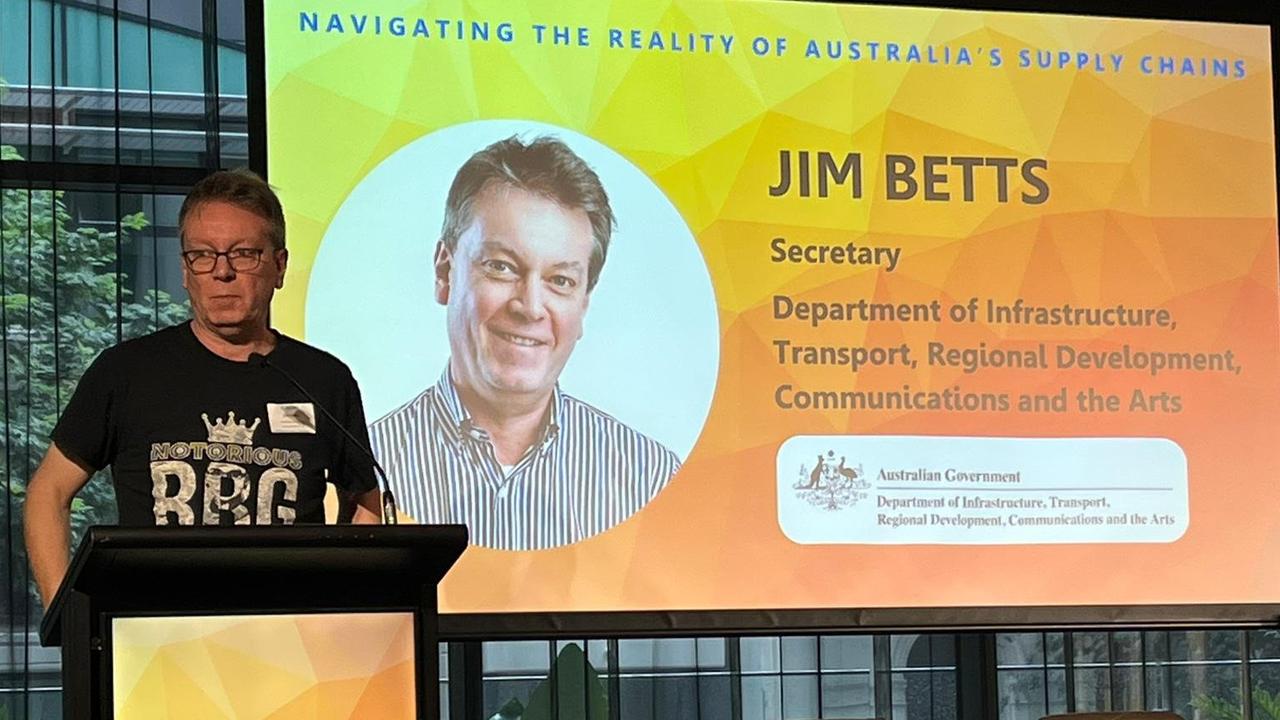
(265, 667)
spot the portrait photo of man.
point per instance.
(496, 443)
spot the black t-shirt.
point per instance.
(195, 439)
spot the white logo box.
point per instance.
(912, 490)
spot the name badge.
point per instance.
(292, 418)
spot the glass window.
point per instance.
(923, 677)
(800, 654)
(846, 652)
(800, 696)
(666, 654)
(760, 654)
(761, 697)
(80, 86)
(847, 695)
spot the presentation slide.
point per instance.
(749, 305)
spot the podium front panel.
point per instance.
(315, 666)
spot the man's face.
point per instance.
(226, 300)
(516, 291)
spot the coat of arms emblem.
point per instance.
(831, 484)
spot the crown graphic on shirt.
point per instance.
(230, 431)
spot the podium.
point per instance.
(157, 572)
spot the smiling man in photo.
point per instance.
(495, 443)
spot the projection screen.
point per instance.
(899, 308)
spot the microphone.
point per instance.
(388, 500)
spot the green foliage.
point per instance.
(577, 693)
(1213, 708)
(62, 301)
(135, 222)
(574, 690)
(1266, 706)
(511, 711)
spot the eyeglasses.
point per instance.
(240, 259)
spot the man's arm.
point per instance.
(362, 508)
(47, 518)
(368, 508)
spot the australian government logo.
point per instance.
(831, 484)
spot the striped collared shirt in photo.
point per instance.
(586, 473)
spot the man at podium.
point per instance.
(203, 423)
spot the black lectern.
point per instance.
(198, 571)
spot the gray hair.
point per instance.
(244, 189)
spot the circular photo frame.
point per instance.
(649, 353)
